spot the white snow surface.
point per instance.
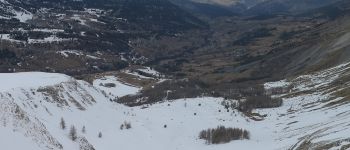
(50, 39)
(79, 19)
(150, 71)
(120, 89)
(277, 84)
(32, 105)
(7, 37)
(49, 30)
(30, 80)
(23, 16)
(66, 53)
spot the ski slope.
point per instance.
(33, 103)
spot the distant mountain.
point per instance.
(229, 3)
(207, 9)
(332, 11)
(254, 7)
(218, 2)
(216, 7)
(287, 6)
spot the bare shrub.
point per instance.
(126, 125)
(221, 135)
(83, 129)
(109, 85)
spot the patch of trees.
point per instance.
(109, 66)
(9, 24)
(222, 134)
(252, 96)
(259, 101)
(169, 67)
(237, 90)
(38, 34)
(7, 54)
(167, 90)
(66, 35)
(120, 64)
(21, 36)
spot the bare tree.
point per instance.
(63, 124)
(83, 129)
(73, 133)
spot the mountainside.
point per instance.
(287, 6)
(33, 110)
(82, 37)
(87, 36)
(174, 74)
(247, 3)
(258, 47)
(204, 8)
(257, 7)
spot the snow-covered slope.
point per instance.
(32, 105)
(316, 110)
(116, 89)
(9, 11)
